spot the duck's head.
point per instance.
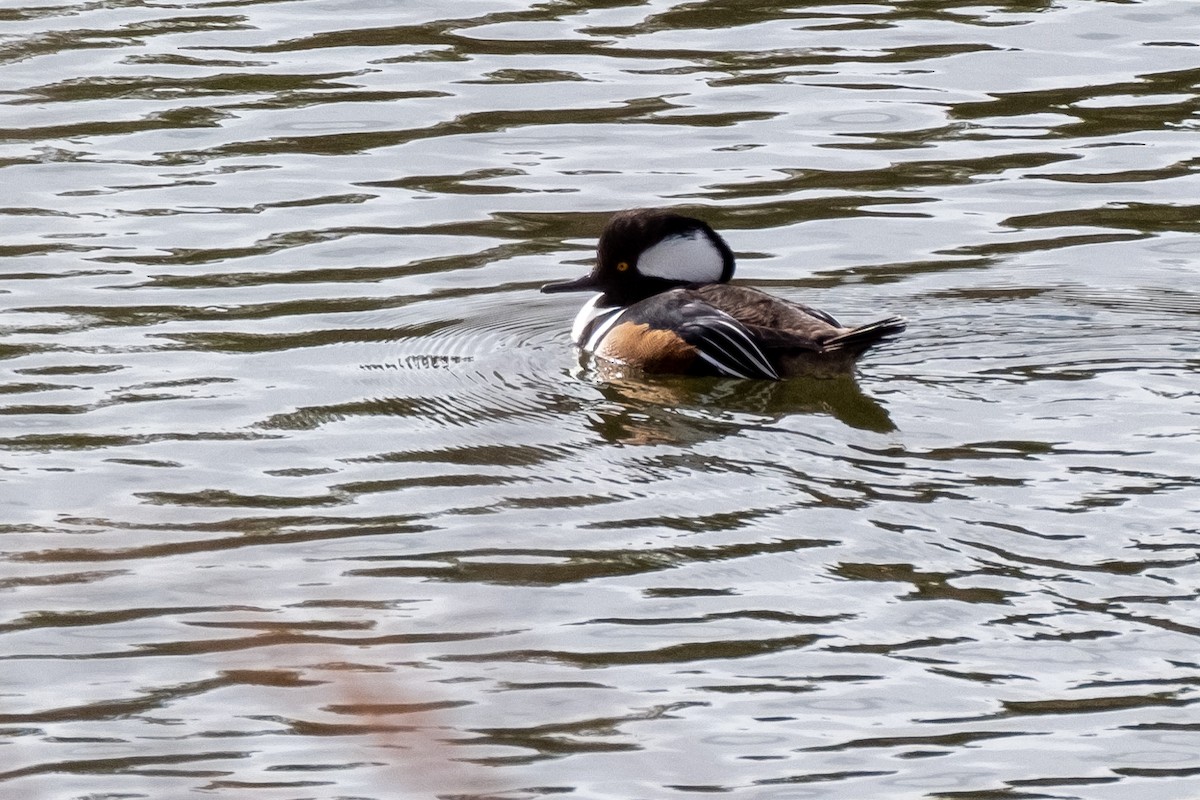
(647, 251)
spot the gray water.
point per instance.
(304, 494)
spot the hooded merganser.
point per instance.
(665, 305)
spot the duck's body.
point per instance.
(665, 305)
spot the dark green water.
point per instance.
(303, 493)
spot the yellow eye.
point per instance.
(622, 266)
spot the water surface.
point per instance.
(306, 496)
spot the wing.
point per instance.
(722, 343)
(727, 346)
(754, 307)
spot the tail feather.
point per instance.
(859, 339)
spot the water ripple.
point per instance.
(296, 457)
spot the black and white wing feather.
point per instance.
(727, 346)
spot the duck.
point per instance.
(662, 304)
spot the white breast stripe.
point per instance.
(690, 257)
(583, 319)
(601, 326)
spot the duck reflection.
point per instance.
(654, 409)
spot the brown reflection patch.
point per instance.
(416, 743)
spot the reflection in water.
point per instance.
(303, 496)
(645, 410)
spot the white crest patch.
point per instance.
(690, 257)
